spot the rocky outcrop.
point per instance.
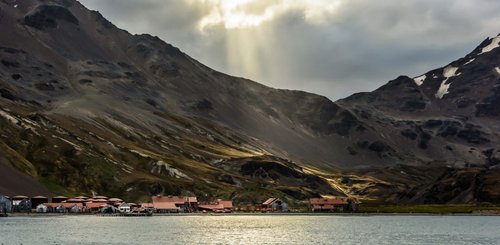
(47, 16)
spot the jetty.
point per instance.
(149, 214)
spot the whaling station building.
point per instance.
(161, 204)
(336, 204)
(103, 204)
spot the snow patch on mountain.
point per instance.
(448, 73)
(420, 80)
(497, 69)
(159, 166)
(495, 43)
(19, 122)
(470, 61)
(77, 147)
(9, 118)
(140, 154)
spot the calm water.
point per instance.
(251, 230)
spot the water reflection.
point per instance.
(251, 230)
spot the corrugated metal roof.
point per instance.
(95, 205)
(174, 199)
(269, 201)
(192, 199)
(64, 204)
(39, 197)
(20, 197)
(211, 207)
(164, 205)
(147, 205)
(227, 204)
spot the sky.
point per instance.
(330, 47)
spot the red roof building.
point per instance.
(95, 206)
(75, 200)
(70, 205)
(147, 205)
(329, 204)
(114, 200)
(274, 205)
(169, 204)
(219, 206)
(66, 205)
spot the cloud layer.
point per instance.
(330, 47)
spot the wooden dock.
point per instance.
(126, 215)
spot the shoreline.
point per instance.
(42, 215)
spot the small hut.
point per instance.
(274, 205)
(76, 209)
(21, 204)
(60, 209)
(124, 208)
(42, 208)
(109, 209)
(5, 205)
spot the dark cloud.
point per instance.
(357, 47)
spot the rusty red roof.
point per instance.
(192, 199)
(52, 204)
(64, 204)
(212, 206)
(169, 199)
(147, 205)
(60, 197)
(20, 197)
(70, 205)
(269, 201)
(164, 205)
(95, 204)
(39, 197)
(75, 200)
(226, 204)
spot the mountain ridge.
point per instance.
(89, 107)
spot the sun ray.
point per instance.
(238, 14)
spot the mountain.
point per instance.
(86, 107)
